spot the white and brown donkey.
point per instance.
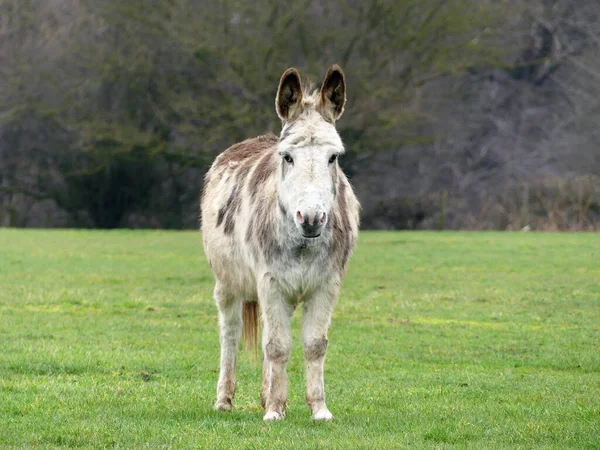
(280, 221)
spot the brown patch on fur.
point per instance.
(276, 353)
(264, 169)
(316, 349)
(229, 223)
(243, 172)
(227, 207)
(242, 153)
(265, 227)
(221, 215)
(343, 204)
(342, 232)
(234, 209)
(246, 149)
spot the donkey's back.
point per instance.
(230, 186)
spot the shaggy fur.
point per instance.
(260, 198)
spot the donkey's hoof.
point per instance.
(223, 405)
(323, 414)
(272, 416)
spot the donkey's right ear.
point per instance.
(289, 96)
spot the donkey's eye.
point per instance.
(333, 159)
(288, 159)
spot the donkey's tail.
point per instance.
(250, 328)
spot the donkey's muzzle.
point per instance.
(311, 222)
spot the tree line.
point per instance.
(460, 114)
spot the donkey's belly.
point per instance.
(238, 277)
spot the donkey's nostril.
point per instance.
(299, 217)
(323, 217)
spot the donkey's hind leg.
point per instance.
(230, 323)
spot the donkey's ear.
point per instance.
(333, 94)
(289, 96)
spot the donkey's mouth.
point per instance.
(311, 236)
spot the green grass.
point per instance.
(440, 340)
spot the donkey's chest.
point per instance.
(303, 269)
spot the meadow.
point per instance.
(439, 340)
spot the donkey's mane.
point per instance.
(308, 86)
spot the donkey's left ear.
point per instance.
(333, 94)
(288, 102)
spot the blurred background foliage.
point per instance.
(478, 114)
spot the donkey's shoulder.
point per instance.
(246, 149)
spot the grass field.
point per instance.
(440, 340)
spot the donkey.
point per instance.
(279, 222)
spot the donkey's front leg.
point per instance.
(317, 316)
(277, 345)
(230, 324)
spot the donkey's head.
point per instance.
(309, 146)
